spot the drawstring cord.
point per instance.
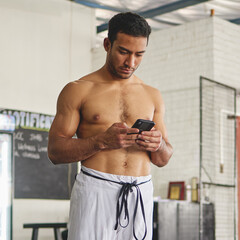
(122, 203)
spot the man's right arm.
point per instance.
(62, 148)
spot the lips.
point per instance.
(126, 70)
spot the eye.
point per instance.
(123, 52)
(139, 54)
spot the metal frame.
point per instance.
(12, 178)
(201, 154)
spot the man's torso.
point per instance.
(106, 103)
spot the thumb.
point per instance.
(125, 125)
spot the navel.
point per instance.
(125, 164)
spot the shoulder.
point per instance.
(73, 93)
(81, 86)
(153, 92)
(156, 97)
(73, 90)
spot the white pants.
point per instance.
(94, 203)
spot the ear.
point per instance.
(106, 44)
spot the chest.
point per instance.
(109, 105)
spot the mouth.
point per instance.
(127, 70)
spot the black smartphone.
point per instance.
(143, 125)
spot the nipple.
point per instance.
(96, 117)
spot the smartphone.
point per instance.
(143, 125)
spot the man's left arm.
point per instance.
(156, 140)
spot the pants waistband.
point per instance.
(115, 177)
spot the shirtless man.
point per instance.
(112, 195)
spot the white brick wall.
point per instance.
(227, 52)
(178, 54)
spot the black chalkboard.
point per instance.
(34, 175)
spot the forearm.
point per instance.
(67, 150)
(161, 157)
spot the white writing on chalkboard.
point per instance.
(18, 136)
(16, 154)
(42, 149)
(30, 144)
(36, 137)
(30, 120)
(31, 155)
(24, 146)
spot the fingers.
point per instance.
(123, 128)
(131, 138)
(120, 128)
(152, 139)
(124, 141)
(122, 136)
(153, 132)
(118, 136)
(149, 140)
(152, 135)
(132, 131)
(148, 146)
(129, 131)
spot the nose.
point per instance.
(130, 61)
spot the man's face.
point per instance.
(124, 55)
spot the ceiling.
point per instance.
(162, 14)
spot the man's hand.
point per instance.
(119, 136)
(150, 140)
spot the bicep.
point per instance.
(67, 119)
(65, 124)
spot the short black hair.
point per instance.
(128, 23)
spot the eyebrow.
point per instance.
(125, 49)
